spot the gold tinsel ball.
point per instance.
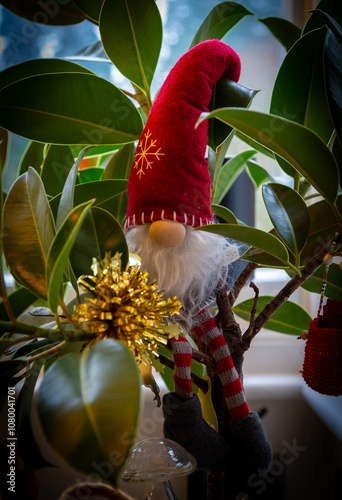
(126, 306)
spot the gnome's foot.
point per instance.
(250, 453)
(185, 425)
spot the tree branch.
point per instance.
(241, 281)
(288, 290)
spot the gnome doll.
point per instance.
(169, 194)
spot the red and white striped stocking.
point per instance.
(207, 331)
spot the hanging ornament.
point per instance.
(322, 369)
(125, 305)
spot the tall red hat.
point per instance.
(169, 178)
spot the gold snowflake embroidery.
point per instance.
(143, 160)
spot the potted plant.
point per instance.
(62, 227)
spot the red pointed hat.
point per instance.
(169, 178)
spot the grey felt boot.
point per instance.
(184, 424)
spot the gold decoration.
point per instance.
(146, 152)
(126, 306)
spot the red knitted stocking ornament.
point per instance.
(182, 353)
(207, 331)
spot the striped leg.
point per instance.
(207, 331)
(182, 353)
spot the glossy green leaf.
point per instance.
(131, 34)
(28, 232)
(19, 300)
(316, 20)
(334, 282)
(56, 166)
(35, 67)
(222, 18)
(11, 367)
(90, 8)
(333, 58)
(289, 215)
(93, 111)
(90, 174)
(286, 166)
(299, 91)
(88, 410)
(46, 12)
(301, 147)
(322, 229)
(4, 139)
(337, 152)
(28, 447)
(226, 93)
(254, 145)
(120, 164)
(33, 157)
(58, 255)
(99, 233)
(286, 32)
(224, 213)
(229, 172)
(104, 192)
(66, 199)
(290, 318)
(257, 173)
(252, 237)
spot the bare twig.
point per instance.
(247, 336)
(241, 281)
(288, 290)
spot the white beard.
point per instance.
(191, 271)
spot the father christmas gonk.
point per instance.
(169, 194)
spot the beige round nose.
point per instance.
(167, 233)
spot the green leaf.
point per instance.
(322, 229)
(28, 447)
(290, 318)
(33, 157)
(257, 173)
(35, 67)
(252, 237)
(39, 109)
(90, 8)
(333, 60)
(120, 164)
(11, 367)
(90, 174)
(4, 140)
(289, 215)
(88, 410)
(226, 93)
(59, 252)
(132, 35)
(51, 13)
(316, 20)
(222, 18)
(66, 200)
(105, 192)
(55, 168)
(224, 213)
(301, 147)
(28, 232)
(229, 173)
(19, 300)
(285, 32)
(334, 283)
(299, 92)
(99, 233)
